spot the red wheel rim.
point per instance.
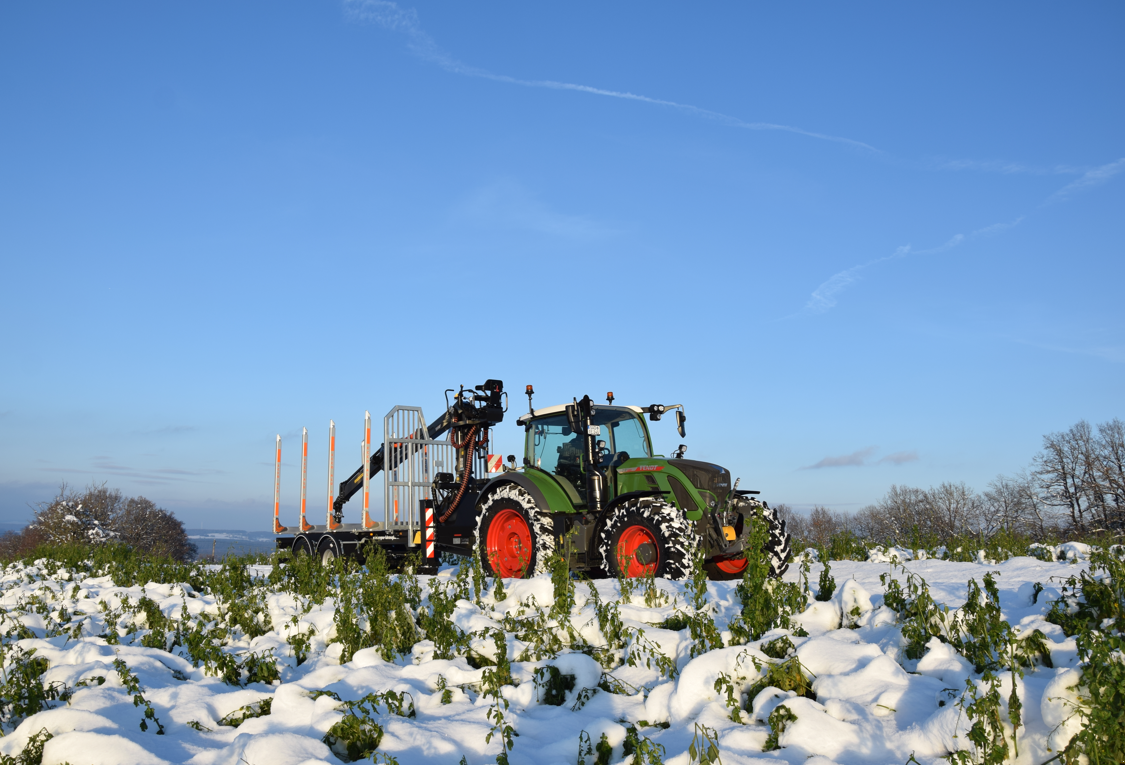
(509, 544)
(732, 565)
(631, 539)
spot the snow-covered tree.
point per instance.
(101, 515)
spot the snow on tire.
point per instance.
(776, 547)
(514, 538)
(648, 536)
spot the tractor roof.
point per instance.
(560, 408)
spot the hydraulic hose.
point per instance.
(464, 478)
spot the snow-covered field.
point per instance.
(872, 703)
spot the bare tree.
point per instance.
(1109, 470)
(101, 515)
(822, 525)
(72, 518)
(953, 509)
(1083, 474)
(144, 526)
(1015, 503)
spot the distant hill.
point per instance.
(224, 542)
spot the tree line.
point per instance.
(1074, 487)
(100, 516)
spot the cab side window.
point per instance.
(629, 436)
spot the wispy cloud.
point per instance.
(855, 459)
(505, 204)
(860, 457)
(1090, 178)
(823, 298)
(1002, 167)
(996, 228)
(900, 458)
(103, 466)
(405, 21)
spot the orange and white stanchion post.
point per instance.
(330, 521)
(367, 522)
(277, 527)
(305, 525)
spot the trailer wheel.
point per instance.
(515, 539)
(301, 546)
(647, 537)
(776, 548)
(328, 552)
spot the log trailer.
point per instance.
(589, 480)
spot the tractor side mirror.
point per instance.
(681, 418)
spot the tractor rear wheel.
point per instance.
(514, 539)
(647, 537)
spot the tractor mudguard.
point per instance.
(547, 495)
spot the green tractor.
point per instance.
(590, 477)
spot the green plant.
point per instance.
(353, 737)
(990, 746)
(778, 648)
(787, 675)
(643, 750)
(779, 720)
(551, 685)
(921, 617)
(32, 753)
(827, 585)
(704, 746)
(300, 642)
(259, 708)
(133, 685)
(23, 692)
(1091, 608)
(492, 683)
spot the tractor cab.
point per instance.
(553, 446)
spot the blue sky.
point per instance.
(863, 245)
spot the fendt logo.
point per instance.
(642, 469)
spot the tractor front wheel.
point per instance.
(776, 547)
(514, 538)
(647, 537)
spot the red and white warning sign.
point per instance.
(495, 463)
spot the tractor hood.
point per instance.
(706, 477)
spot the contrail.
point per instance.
(389, 16)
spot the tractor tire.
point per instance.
(515, 538)
(776, 549)
(648, 537)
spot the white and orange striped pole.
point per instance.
(330, 521)
(277, 527)
(367, 470)
(305, 525)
